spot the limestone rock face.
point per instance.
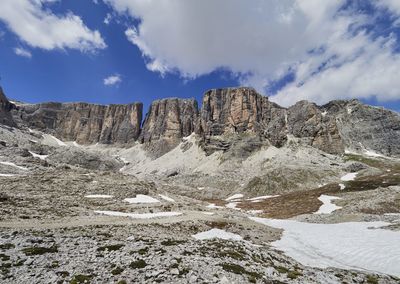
(366, 128)
(307, 121)
(82, 122)
(241, 110)
(5, 108)
(121, 123)
(167, 122)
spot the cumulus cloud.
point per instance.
(39, 27)
(325, 47)
(112, 80)
(22, 52)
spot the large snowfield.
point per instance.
(352, 245)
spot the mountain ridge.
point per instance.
(225, 116)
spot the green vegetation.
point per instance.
(371, 279)
(80, 279)
(4, 257)
(110, 247)
(7, 246)
(138, 264)
(237, 269)
(117, 270)
(172, 242)
(39, 250)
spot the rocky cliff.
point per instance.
(82, 122)
(5, 108)
(366, 128)
(167, 122)
(233, 119)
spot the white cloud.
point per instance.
(112, 80)
(260, 42)
(22, 52)
(39, 27)
(107, 19)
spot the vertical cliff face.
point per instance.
(242, 110)
(121, 123)
(366, 128)
(84, 123)
(5, 108)
(167, 122)
(316, 127)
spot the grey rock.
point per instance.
(5, 108)
(364, 127)
(82, 122)
(167, 122)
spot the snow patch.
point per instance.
(42, 157)
(327, 207)
(13, 165)
(235, 196)
(232, 205)
(348, 177)
(58, 141)
(166, 198)
(141, 198)
(213, 206)
(139, 215)
(217, 234)
(7, 175)
(98, 196)
(260, 198)
(371, 153)
(342, 186)
(352, 245)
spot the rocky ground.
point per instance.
(57, 225)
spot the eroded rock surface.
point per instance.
(167, 122)
(367, 128)
(82, 122)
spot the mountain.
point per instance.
(227, 117)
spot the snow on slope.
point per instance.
(141, 198)
(349, 177)
(98, 196)
(13, 165)
(42, 157)
(327, 207)
(217, 234)
(139, 215)
(352, 245)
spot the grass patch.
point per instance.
(39, 250)
(232, 254)
(138, 264)
(172, 242)
(80, 278)
(4, 257)
(7, 246)
(110, 247)
(117, 270)
(371, 279)
(293, 274)
(237, 269)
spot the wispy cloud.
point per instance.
(22, 52)
(112, 80)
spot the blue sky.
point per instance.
(121, 51)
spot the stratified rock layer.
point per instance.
(238, 120)
(305, 120)
(167, 122)
(366, 128)
(84, 123)
(237, 111)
